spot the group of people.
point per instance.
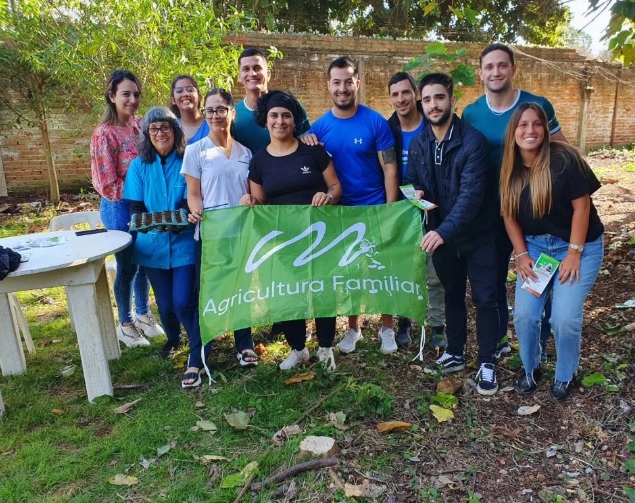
(503, 178)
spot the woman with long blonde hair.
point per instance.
(546, 203)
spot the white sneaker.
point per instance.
(131, 336)
(295, 357)
(148, 325)
(326, 355)
(388, 343)
(348, 343)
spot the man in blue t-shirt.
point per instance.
(363, 151)
(254, 75)
(490, 114)
(406, 123)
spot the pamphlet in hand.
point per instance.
(545, 267)
(409, 192)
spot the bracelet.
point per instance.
(521, 254)
(330, 195)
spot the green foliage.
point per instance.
(630, 493)
(445, 400)
(371, 399)
(437, 58)
(594, 380)
(621, 29)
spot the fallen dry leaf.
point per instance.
(206, 426)
(126, 407)
(59, 412)
(287, 431)
(298, 378)
(260, 349)
(441, 414)
(393, 426)
(238, 420)
(366, 490)
(446, 481)
(528, 410)
(199, 405)
(123, 480)
(450, 385)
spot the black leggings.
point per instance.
(295, 332)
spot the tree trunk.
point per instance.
(50, 164)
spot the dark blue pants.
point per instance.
(295, 332)
(177, 301)
(454, 267)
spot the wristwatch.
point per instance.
(578, 248)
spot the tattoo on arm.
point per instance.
(388, 155)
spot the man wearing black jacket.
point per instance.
(448, 164)
(407, 123)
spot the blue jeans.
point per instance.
(566, 310)
(454, 267)
(175, 292)
(115, 216)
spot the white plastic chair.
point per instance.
(66, 222)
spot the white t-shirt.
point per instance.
(223, 181)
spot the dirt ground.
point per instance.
(570, 452)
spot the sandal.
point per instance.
(247, 358)
(192, 376)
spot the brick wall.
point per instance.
(554, 73)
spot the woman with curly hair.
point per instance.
(546, 189)
(155, 184)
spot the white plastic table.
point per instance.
(77, 264)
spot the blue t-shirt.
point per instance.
(161, 188)
(353, 144)
(251, 135)
(494, 124)
(201, 132)
(406, 139)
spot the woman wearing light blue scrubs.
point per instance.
(154, 184)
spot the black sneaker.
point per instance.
(528, 382)
(403, 337)
(446, 363)
(502, 349)
(437, 337)
(560, 390)
(486, 383)
(276, 330)
(168, 349)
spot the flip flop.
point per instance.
(247, 353)
(196, 376)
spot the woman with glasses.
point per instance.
(112, 147)
(289, 172)
(155, 184)
(216, 170)
(185, 100)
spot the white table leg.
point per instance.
(82, 299)
(11, 353)
(106, 317)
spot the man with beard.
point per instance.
(406, 124)
(363, 150)
(490, 114)
(448, 165)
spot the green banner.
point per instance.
(274, 263)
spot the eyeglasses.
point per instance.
(189, 89)
(165, 128)
(220, 111)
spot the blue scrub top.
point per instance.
(161, 188)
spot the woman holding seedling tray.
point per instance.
(156, 191)
(546, 189)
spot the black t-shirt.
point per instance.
(293, 178)
(568, 182)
